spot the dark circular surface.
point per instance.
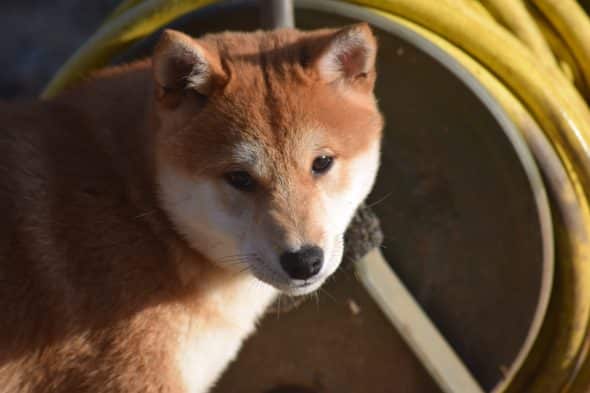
(460, 220)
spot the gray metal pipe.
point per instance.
(276, 14)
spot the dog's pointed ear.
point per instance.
(181, 63)
(348, 54)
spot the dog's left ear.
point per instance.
(349, 56)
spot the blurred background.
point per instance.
(37, 36)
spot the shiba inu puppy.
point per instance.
(151, 213)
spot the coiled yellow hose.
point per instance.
(533, 56)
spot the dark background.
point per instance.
(37, 36)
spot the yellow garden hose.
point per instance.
(566, 59)
(514, 15)
(570, 20)
(516, 63)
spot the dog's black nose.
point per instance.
(303, 264)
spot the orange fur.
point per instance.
(97, 287)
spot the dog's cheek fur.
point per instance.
(209, 219)
(356, 178)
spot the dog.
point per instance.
(153, 211)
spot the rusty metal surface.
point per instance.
(460, 223)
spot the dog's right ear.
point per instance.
(348, 55)
(181, 64)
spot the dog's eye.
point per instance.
(241, 180)
(322, 164)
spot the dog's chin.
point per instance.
(292, 287)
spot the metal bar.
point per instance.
(399, 306)
(276, 14)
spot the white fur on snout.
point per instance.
(335, 209)
(199, 210)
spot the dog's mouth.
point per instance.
(286, 285)
(298, 289)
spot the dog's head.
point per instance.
(266, 144)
